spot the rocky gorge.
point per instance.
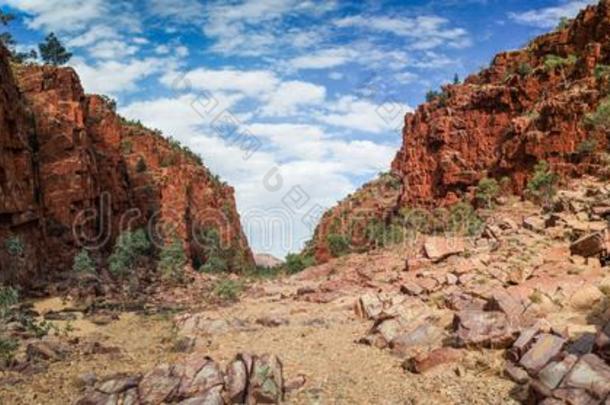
(474, 271)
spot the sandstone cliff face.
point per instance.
(73, 172)
(502, 121)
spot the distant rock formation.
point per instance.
(267, 260)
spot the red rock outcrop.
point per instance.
(501, 122)
(73, 173)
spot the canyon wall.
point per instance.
(529, 105)
(73, 173)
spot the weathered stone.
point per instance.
(266, 384)
(517, 374)
(535, 224)
(272, 321)
(159, 385)
(427, 361)
(47, 350)
(424, 335)
(411, 288)
(501, 300)
(295, 384)
(589, 245)
(483, 329)
(369, 306)
(237, 378)
(574, 396)
(591, 374)
(198, 375)
(552, 374)
(439, 248)
(523, 342)
(586, 297)
(118, 384)
(582, 345)
(546, 348)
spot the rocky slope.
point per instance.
(529, 105)
(73, 172)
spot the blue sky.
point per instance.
(319, 88)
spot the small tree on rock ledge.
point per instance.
(53, 52)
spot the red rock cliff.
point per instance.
(529, 105)
(73, 171)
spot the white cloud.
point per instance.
(426, 32)
(364, 115)
(289, 95)
(92, 35)
(549, 17)
(112, 77)
(249, 82)
(323, 59)
(112, 50)
(60, 15)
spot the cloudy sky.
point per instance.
(295, 103)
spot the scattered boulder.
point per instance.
(49, 350)
(369, 306)
(271, 321)
(438, 248)
(591, 374)
(425, 362)
(248, 380)
(475, 328)
(589, 245)
(546, 348)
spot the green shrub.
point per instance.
(169, 160)
(524, 69)
(464, 220)
(586, 147)
(553, 62)
(14, 246)
(8, 349)
(487, 190)
(338, 244)
(141, 166)
(564, 23)
(295, 263)
(382, 235)
(600, 119)
(172, 260)
(542, 186)
(432, 95)
(214, 264)
(83, 264)
(217, 259)
(228, 290)
(126, 146)
(391, 180)
(8, 298)
(601, 71)
(129, 247)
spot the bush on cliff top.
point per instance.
(600, 119)
(552, 62)
(129, 247)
